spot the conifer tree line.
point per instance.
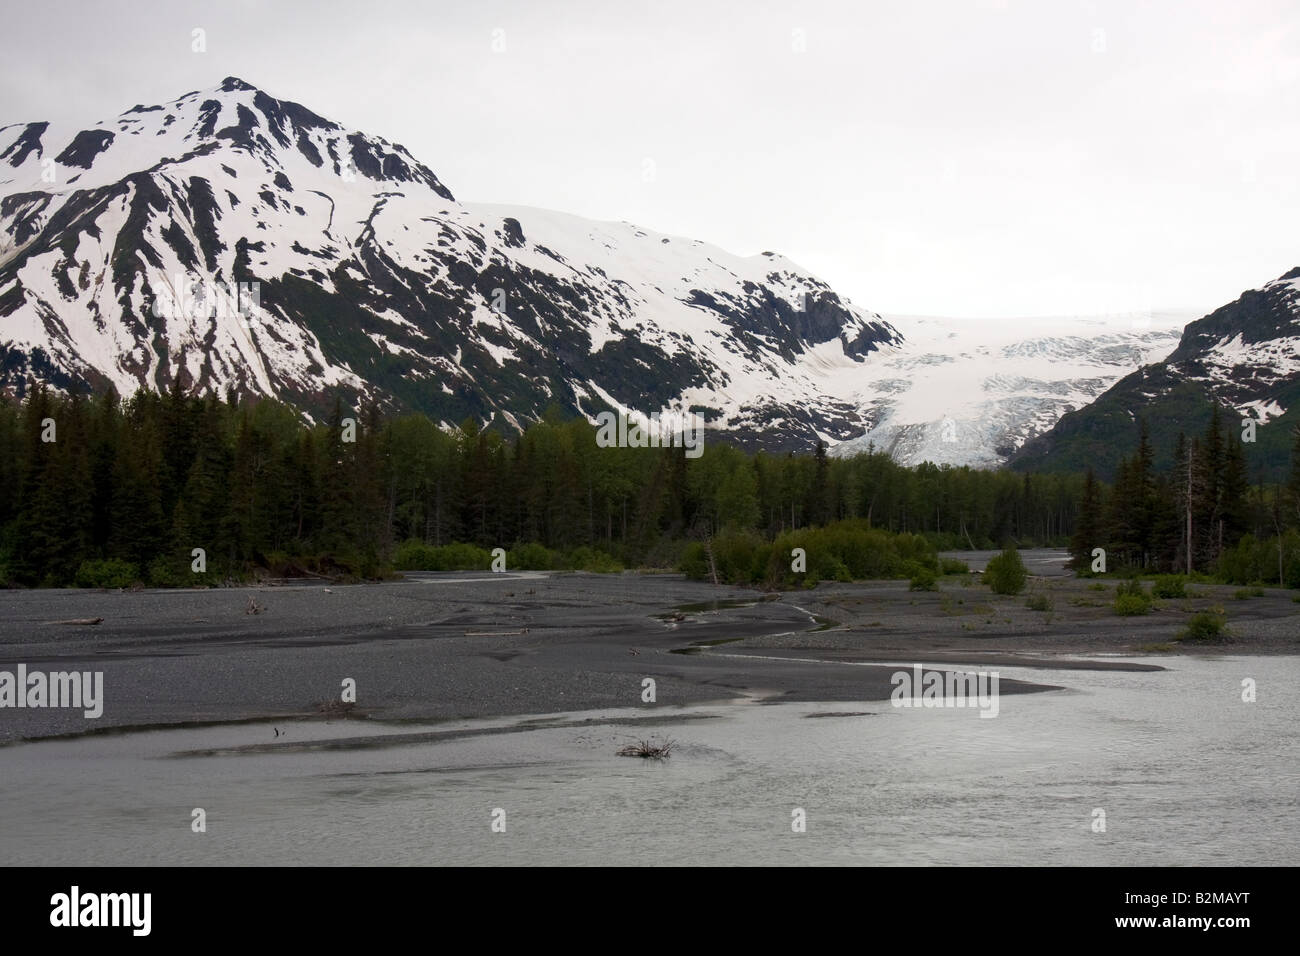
(104, 491)
(1203, 515)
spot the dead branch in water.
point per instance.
(648, 750)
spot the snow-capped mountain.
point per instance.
(971, 392)
(354, 270)
(248, 244)
(1247, 353)
(1244, 356)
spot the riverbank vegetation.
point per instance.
(176, 490)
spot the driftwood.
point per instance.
(77, 620)
(648, 750)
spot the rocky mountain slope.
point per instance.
(247, 244)
(361, 274)
(1245, 356)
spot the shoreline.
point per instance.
(469, 646)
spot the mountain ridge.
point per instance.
(1245, 356)
(373, 283)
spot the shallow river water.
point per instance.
(1183, 770)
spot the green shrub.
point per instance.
(735, 553)
(910, 569)
(1246, 562)
(695, 563)
(1132, 587)
(924, 580)
(953, 566)
(1170, 586)
(1131, 598)
(1291, 578)
(172, 573)
(107, 573)
(530, 556)
(765, 563)
(841, 551)
(1129, 605)
(371, 568)
(1006, 573)
(463, 557)
(415, 555)
(593, 560)
(825, 566)
(1206, 626)
(1255, 560)
(1038, 602)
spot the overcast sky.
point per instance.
(976, 158)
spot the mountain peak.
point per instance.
(357, 272)
(232, 83)
(231, 118)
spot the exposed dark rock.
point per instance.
(85, 146)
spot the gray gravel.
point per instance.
(428, 647)
(480, 645)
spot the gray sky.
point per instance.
(977, 158)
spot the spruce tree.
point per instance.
(70, 486)
(1233, 489)
(137, 528)
(336, 512)
(177, 428)
(1209, 475)
(818, 492)
(1143, 488)
(33, 524)
(370, 487)
(1166, 524)
(1089, 526)
(1181, 481)
(1124, 518)
(1293, 483)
